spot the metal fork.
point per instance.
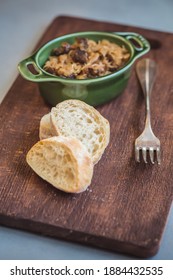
(147, 142)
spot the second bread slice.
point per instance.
(82, 121)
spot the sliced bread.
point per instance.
(46, 129)
(63, 162)
(82, 121)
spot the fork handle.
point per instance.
(146, 72)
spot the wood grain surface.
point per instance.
(126, 207)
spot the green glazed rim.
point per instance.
(126, 38)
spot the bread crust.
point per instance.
(46, 129)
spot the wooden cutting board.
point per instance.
(126, 207)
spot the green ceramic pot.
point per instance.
(93, 91)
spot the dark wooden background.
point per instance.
(126, 207)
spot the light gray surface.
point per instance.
(22, 22)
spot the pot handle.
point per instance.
(139, 43)
(26, 72)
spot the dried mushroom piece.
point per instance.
(82, 42)
(63, 49)
(79, 55)
(86, 58)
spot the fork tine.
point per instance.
(151, 152)
(144, 154)
(158, 154)
(137, 156)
